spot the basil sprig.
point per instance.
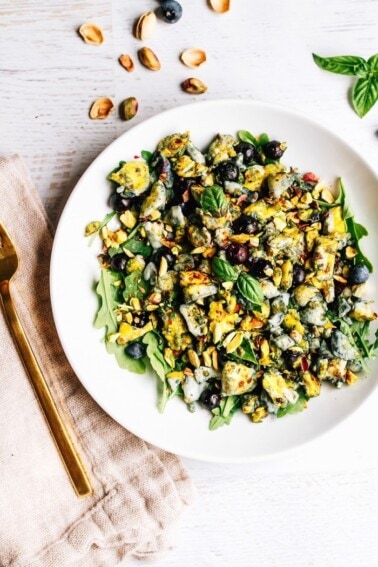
(224, 271)
(213, 200)
(365, 90)
(250, 289)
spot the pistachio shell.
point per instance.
(129, 108)
(220, 6)
(101, 108)
(91, 34)
(193, 86)
(148, 58)
(193, 57)
(126, 62)
(145, 25)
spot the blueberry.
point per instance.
(299, 274)
(119, 203)
(258, 266)
(245, 224)
(210, 398)
(227, 171)
(359, 274)
(118, 262)
(237, 253)
(164, 251)
(248, 151)
(136, 350)
(273, 150)
(170, 11)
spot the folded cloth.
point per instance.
(139, 490)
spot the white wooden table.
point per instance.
(317, 506)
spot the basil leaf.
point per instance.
(146, 155)
(250, 289)
(223, 270)
(223, 414)
(373, 64)
(244, 352)
(105, 317)
(342, 64)
(246, 136)
(297, 407)
(213, 200)
(263, 139)
(365, 94)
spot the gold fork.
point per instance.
(68, 452)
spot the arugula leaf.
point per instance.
(146, 155)
(222, 415)
(105, 317)
(364, 93)
(137, 245)
(213, 200)
(160, 366)
(223, 270)
(297, 407)
(245, 352)
(250, 289)
(135, 286)
(107, 218)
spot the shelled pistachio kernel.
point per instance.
(127, 62)
(148, 58)
(193, 86)
(92, 34)
(220, 6)
(129, 108)
(101, 108)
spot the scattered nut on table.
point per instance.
(101, 108)
(220, 6)
(193, 57)
(193, 86)
(127, 63)
(148, 58)
(91, 33)
(145, 26)
(129, 108)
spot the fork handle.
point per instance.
(60, 434)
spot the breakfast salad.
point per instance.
(240, 281)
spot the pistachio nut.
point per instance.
(148, 58)
(193, 57)
(129, 108)
(145, 25)
(127, 63)
(220, 6)
(101, 108)
(91, 34)
(193, 86)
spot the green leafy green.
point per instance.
(223, 414)
(108, 217)
(135, 286)
(146, 155)
(223, 270)
(213, 200)
(106, 318)
(137, 245)
(364, 93)
(159, 364)
(246, 136)
(250, 289)
(245, 352)
(297, 407)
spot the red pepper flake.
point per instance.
(304, 364)
(237, 308)
(136, 157)
(310, 177)
(241, 199)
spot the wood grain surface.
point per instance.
(317, 506)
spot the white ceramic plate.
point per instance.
(131, 399)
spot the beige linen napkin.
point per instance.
(140, 491)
